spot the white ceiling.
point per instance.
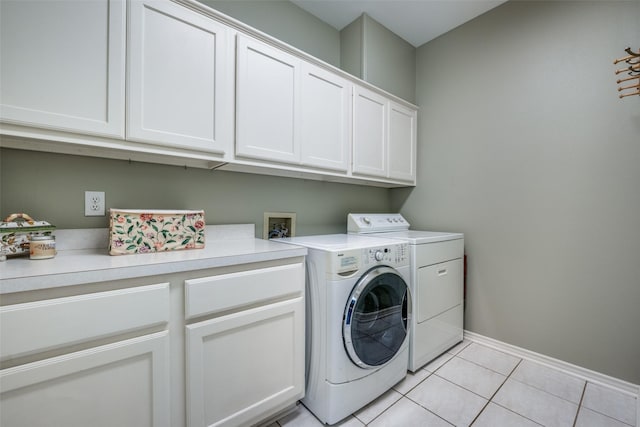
(416, 21)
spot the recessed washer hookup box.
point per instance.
(136, 231)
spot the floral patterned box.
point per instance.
(16, 231)
(139, 231)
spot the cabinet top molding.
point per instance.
(253, 32)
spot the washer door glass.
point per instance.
(375, 319)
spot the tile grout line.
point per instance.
(482, 366)
(431, 373)
(548, 392)
(495, 392)
(385, 409)
(584, 390)
(489, 369)
(597, 411)
(428, 410)
(408, 391)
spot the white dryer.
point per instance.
(437, 282)
(358, 315)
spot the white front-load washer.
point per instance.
(358, 315)
(436, 282)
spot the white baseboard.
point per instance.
(578, 371)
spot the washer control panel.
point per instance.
(375, 223)
(348, 262)
(395, 256)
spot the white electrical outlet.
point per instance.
(94, 203)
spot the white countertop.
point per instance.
(90, 265)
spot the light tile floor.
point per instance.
(474, 385)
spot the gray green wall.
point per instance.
(351, 47)
(51, 187)
(524, 146)
(286, 22)
(389, 61)
(373, 53)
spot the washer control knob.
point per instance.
(379, 256)
(366, 220)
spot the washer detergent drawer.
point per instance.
(438, 288)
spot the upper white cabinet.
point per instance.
(175, 82)
(268, 97)
(384, 137)
(370, 111)
(290, 111)
(63, 65)
(180, 78)
(325, 119)
(401, 147)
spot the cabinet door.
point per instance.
(63, 65)
(325, 119)
(245, 366)
(369, 133)
(121, 384)
(267, 105)
(402, 143)
(180, 78)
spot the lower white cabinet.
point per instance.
(222, 346)
(94, 359)
(121, 384)
(247, 363)
(244, 365)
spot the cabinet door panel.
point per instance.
(325, 119)
(241, 366)
(121, 384)
(402, 143)
(63, 65)
(369, 133)
(180, 78)
(267, 103)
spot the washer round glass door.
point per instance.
(376, 317)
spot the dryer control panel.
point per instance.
(375, 223)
